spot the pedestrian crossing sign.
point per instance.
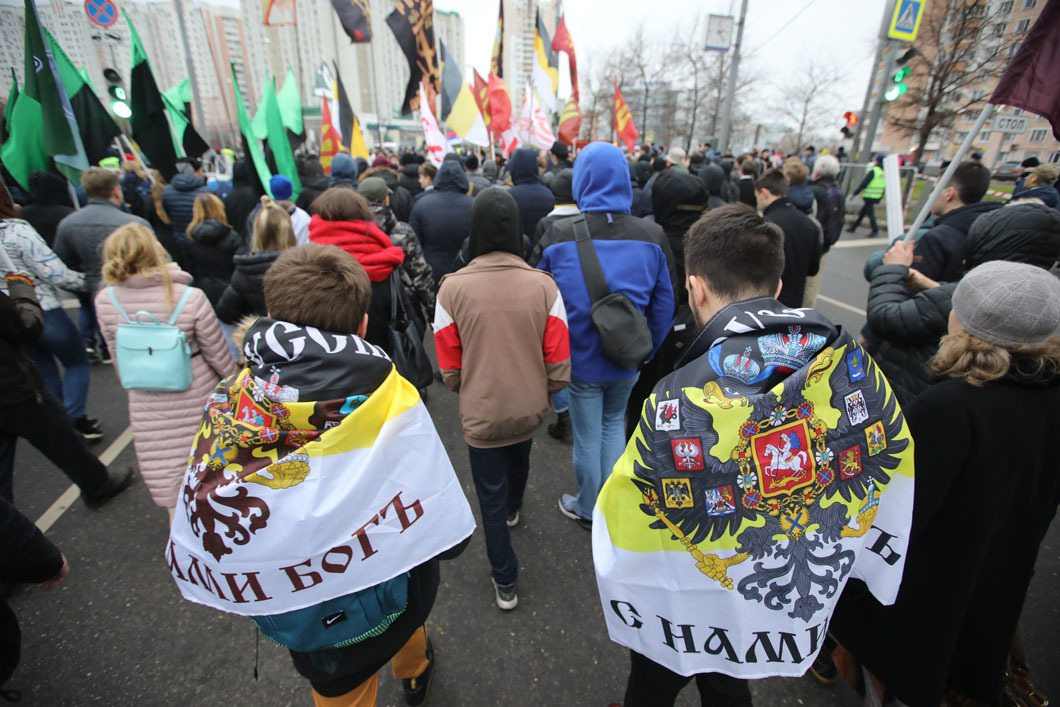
(906, 20)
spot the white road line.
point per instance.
(71, 494)
(842, 305)
(861, 242)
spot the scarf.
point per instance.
(364, 240)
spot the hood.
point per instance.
(384, 217)
(490, 170)
(187, 182)
(48, 189)
(363, 240)
(643, 170)
(343, 170)
(678, 200)
(1020, 233)
(241, 173)
(962, 217)
(412, 170)
(523, 167)
(255, 263)
(451, 178)
(713, 176)
(387, 174)
(1048, 195)
(318, 183)
(209, 232)
(601, 179)
(495, 224)
(562, 186)
(801, 196)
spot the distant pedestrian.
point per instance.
(282, 189)
(799, 192)
(871, 189)
(245, 293)
(746, 183)
(314, 182)
(496, 304)
(440, 216)
(535, 200)
(802, 236)
(51, 204)
(1040, 183)
(830, 211)
(344, 171)
(245, 194)
(211, 245)
(179, 197)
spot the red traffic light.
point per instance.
(851, 117)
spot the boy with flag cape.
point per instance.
(318, 498)
(771, 467)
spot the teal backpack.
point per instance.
(152, 355)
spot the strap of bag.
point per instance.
(180, 305)
(591, 270)
(395, 299)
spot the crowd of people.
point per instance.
(654, 310)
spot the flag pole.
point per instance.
(988, 111)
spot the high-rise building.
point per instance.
(520, 20)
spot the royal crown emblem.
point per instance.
(790, 350)
(741, 366)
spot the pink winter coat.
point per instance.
(164, 424)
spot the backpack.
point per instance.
(405, 339)
(152, 355)
(623, 329)
(831, 215)
(339, 622)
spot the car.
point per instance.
(1008, 170)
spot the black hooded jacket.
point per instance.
(678, 200)
(535, 200)
(210, 250)
(942, 249)
(245, 195)
(245, 292)
(714, 178)
(441, 216)
(50, 205)
(312, 187)
(410, 178)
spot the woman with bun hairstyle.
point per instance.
(163, 423)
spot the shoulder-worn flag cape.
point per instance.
(771, 467)
(316, 472)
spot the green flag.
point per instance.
(178, 107)
(96, 127)
(291, 104)
(278, 142)
(62, 139)
(251, 145)
(23, 150)
(259, 125)
(150, 125)
(9, 107)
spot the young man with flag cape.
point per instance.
(318, 497)
(773, 465)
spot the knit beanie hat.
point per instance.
(1008, 304)
(281, 187)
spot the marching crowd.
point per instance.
(655, 310)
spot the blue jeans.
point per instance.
(597, 416)
(62, 341)
(89, 325)
(560, 402)
(500, 475)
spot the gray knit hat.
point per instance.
(1008, 304)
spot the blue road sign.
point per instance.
(103, 12)
(906, 20)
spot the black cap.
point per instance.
(560, 150)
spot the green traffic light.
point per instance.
(900, 75)
(121, 109)
(894, 92)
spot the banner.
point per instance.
(624, 127)
(1032, 79)
(437, 145)
(289, 501)
(562, 42)
(356, 19)
(279, 13)
(458, 105)
(412, 23)
(497, 58)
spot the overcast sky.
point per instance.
(780, 38)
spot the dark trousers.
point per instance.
(869, 209)
(45, 424)
(500, 475)
(652, 685)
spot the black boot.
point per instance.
(560, 429)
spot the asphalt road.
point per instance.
(118, 632)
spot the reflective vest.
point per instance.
(875, 188)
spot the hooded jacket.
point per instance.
(802, 248)
(21, 322)
(51, 204)
(1047, 194)
(410, 178)
(209, 252)
(440, 218)
(801, 197)
(911, 324)
(415, 271)
(245, 292)
(79, 238)
(714, 178)
(942, 249)
(245, 196)
(178, 199)
(312, 187)
(561, 186)
(500, 331)
(535, 200)
(30, 254)
(343, 171)
(678, 201)
(634, 255)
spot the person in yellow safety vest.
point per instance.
(871, 189)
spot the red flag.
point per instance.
(570, 122)
(330, 140)
(561, 42)
(480, 90)
(1032, 79)
(624, 121)
(500, 104)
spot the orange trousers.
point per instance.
(409, 662)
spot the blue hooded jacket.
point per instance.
(343, 171)
(634, 255)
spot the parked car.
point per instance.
(1008, 170)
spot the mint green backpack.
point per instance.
(152, 355)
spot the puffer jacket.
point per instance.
(245, 292)
(29, 253)
(535, 200)
(178, 199)
(164, 423)
(79, 238)
(942, 249)
(210, 250)
(410, 179)
(440, 218)
(415, 271)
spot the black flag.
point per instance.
(356, 19)
(412, 23)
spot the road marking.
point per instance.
(842, 305)
(47, 520)
(860, 242)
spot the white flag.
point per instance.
(437, 145)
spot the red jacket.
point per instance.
(361, 239)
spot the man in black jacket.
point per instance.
(940, 252)
(746, 183)
(802, 244)
(28, 410)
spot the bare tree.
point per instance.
(960, 44)
(807, 97)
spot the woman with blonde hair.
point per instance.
(163, 423)
(245, 294)
(211, 245)
(987, 489)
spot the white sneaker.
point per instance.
(507, 599)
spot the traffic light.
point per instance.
(900, 75)
(852, 119)
(119, 100)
